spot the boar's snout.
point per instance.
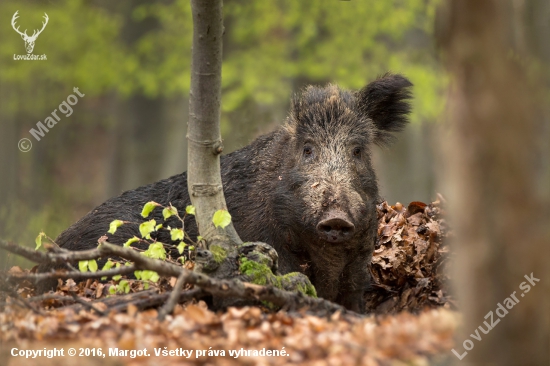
(335, 228)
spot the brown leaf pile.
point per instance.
(306, 340)
(408, 264)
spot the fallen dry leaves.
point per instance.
(407, 270)
(408, 264)
(307, 340)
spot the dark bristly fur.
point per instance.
(386, 103)
(284, 183)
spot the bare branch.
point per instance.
(50, 297)
(227, 288)
(173, 298)
(16, 297)
(87, 304)
(32, 255)
(57, 258)
(75, 275)
(143, 300)
(217, 287)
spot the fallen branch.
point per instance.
(226, 288)
(50, 296)
(120, 302)
(4, 286)
(142, 300)
(233, 288)
(75, 275)
(159, 299)
(168, 307)
(33, 255)
(87, 304)
(60, 257)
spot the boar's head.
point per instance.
(329, 190)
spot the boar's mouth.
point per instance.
(335, 227)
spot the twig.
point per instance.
(87, 304)
(60, 257)
(14, 295)
(156, 300)
(50, 297)
(173, 298)
(75, 275)
(143, 300)
(32, 255)
(123, 300)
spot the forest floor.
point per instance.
(412, 318)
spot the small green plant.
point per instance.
(221, 218)
(257, 270)
(155, 249)
(89, 264)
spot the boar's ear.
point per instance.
(386, 102)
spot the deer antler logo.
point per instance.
(29, 40)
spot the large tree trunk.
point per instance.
(498, 198)
(205, 144)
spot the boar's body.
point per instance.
(308, 189)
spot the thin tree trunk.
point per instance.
(500, 213)
(205, 144)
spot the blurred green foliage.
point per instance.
(113, 50)
(81, 45)
(270, 48)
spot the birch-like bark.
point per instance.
(205, 144)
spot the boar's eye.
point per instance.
(308, 151)
(357, 151)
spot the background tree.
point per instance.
(497, 155)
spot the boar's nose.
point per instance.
(335, 229)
